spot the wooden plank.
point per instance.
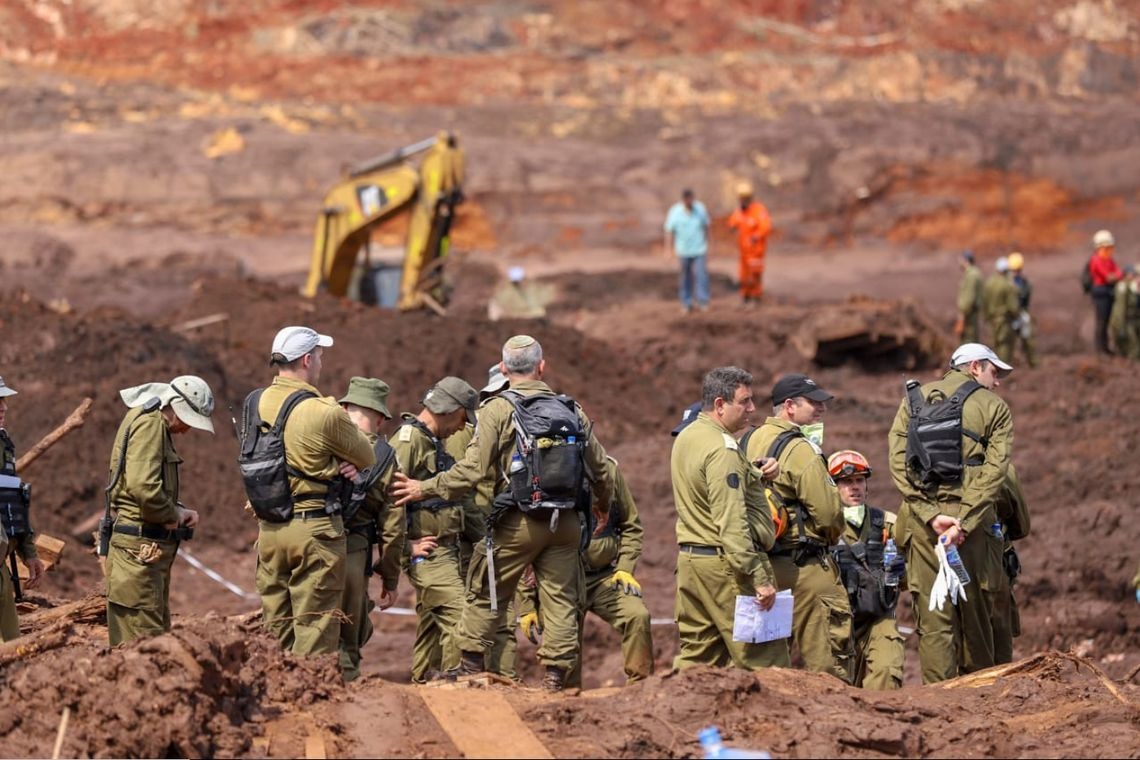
(481, 723)
(49, 549)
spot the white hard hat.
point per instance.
(1103, 239)
(1002, 264)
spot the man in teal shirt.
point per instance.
(687, 237)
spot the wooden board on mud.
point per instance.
(481, 723)
(49, 549)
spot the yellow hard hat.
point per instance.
(1016, 261)
(744, 189)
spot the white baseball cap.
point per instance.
(516, 274)
(1103, 239)
(976, 352)
(6, 390)
(294, 342)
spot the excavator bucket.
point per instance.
(375, 192)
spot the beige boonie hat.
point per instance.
(193, 402)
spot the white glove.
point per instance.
(940, 589)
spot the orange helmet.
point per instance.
(844, 464)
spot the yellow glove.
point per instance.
(531, 627)
(626, 583)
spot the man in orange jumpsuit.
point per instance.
(752, 225)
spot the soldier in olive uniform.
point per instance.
(1124, 319)
(501, 657)
(17, 535)
(821, 623)
(301, 562)
(1001, 307)
(611, 592)
(520, 538)
(871, 580)
(1013, 514)
(143, 497)
(969, 299)
(370, 520)
(957, 638)
(723, 530)
(1023, 329)
(435, 524)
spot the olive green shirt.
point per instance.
(147, 492)
(970, 292)
(24, 544)
(621, 545)
(710, 489)
(803, 478)
(972, 501)
(489, 454)
(415, 451)
(1000, 301)
(378, 508)
(318, 437)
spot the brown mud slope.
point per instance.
(204, 690)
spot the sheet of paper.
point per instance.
(755, 626)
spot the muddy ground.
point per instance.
(884, 138)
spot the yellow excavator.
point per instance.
(374, 192)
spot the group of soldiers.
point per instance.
(489, 521)
(761, 510)
(1001, 302)
(463, 497)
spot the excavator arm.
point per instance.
(377, 191)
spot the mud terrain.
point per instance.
(164, 162)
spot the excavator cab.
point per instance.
(374, 192)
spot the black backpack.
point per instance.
(934, 436)
(1086, 277)
(384, 454)
(261, 459)
(547, 468)
(781, 509)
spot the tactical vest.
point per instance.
(862, 573)
(14, 500)
(443, 463)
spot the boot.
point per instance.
(470, 663)
(554, 679)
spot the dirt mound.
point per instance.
(1041, 705)
(203, 690)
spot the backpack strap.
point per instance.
(384, 454)
(294, 398)
(963, 392)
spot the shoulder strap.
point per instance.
(914, 397)
(963, 392)
(744, 439)
(782, 440)
(152, 405)
(296, 397)
(384, 455)
(878, 522)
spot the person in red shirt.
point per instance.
(1104, 273)
(752, 225)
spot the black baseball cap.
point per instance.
(792, 386)
(687, 417)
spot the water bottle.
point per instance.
(516, 476)
(516, 463)
(890, 553)
(996, 529)
(954, 559)
(417, 560)
(715, 749)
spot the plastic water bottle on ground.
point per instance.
(714, 748)
(890, 553)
